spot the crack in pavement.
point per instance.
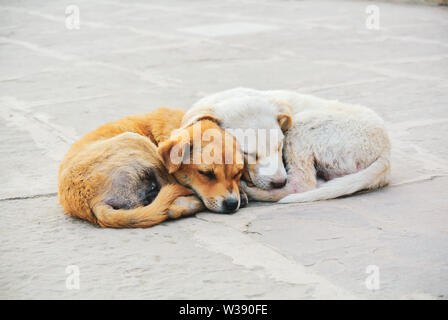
(246, 252)
(35, 196)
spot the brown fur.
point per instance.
(117, 163)
(225, 183)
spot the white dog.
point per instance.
(244, 115)
(347, 145)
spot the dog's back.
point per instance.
(116, 167)
(363, 145)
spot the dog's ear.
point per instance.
(285, 121)
(284, 117)
(173, 152)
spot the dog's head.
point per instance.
(258, 125)
(207, 159)
(264, 159)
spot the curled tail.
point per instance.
(374, 176)
(141, 217)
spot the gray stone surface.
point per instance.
(133, 56)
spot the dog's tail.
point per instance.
(141, 217)
(374, 176)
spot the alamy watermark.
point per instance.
(72, 17)
(372, 281)
(213, 146)
(72, 282)
(373, 17)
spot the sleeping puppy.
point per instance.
(208, 160)
(346, 145)
(117, 176)
(246, 118)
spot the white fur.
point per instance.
(347, 144)
(239, 111)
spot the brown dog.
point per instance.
(114, 176)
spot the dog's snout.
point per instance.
(278, 183)
(230, 205)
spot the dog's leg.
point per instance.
(185, 206)
(244, 200)
(272, 195)
(300, 179)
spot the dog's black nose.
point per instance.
(278, 184)
(230, 205)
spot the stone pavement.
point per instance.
(58, 82)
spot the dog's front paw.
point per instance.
(243, 199)
(184, 206)
(246, 189)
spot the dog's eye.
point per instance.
(209, 174)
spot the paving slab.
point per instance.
(129, 57)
